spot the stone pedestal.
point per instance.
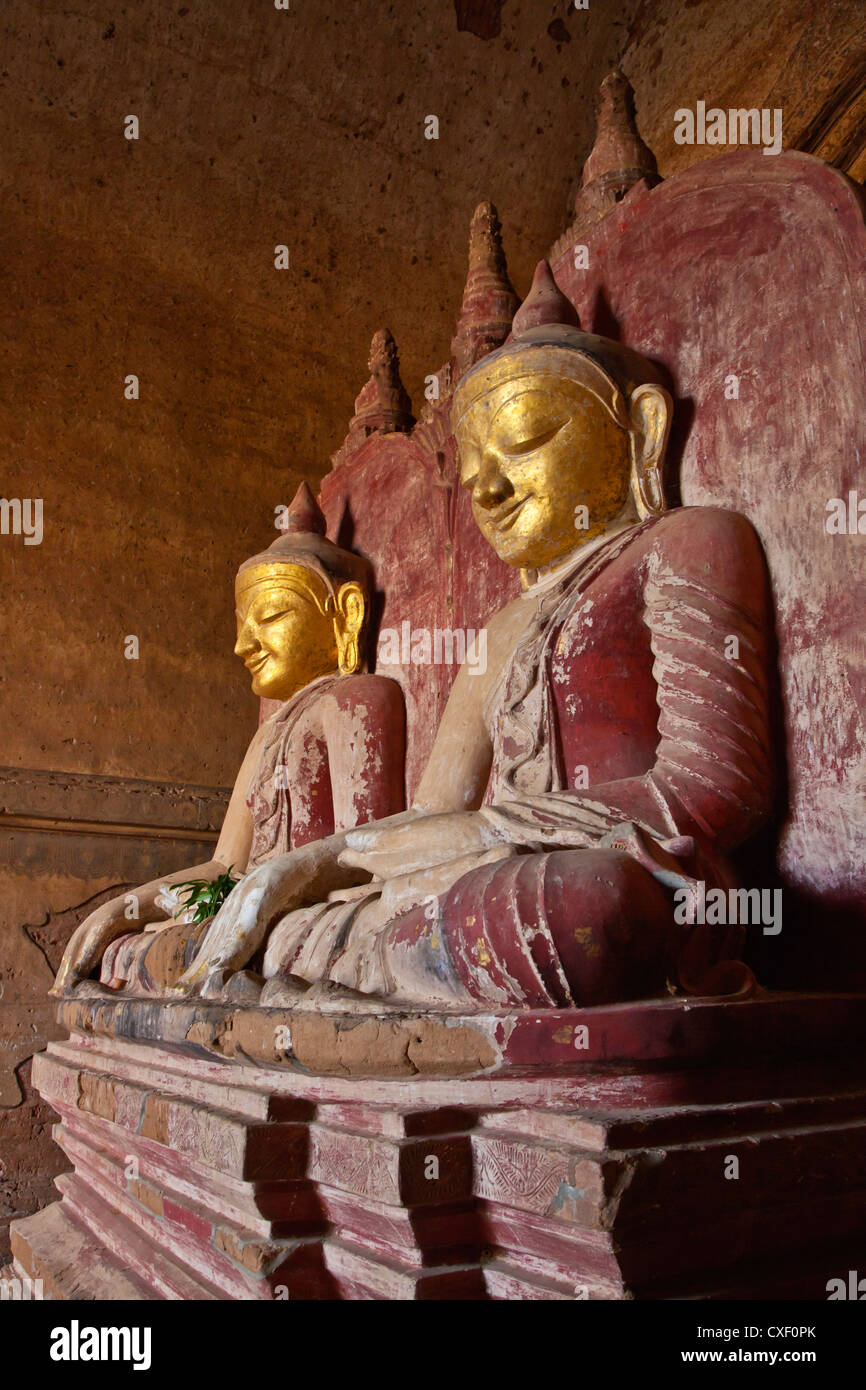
(535, 1156)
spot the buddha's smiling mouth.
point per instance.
(506, 517)
(255, 663)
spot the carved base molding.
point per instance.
(78, 803)
(199, 1177)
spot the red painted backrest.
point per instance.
(398, 501)
(745, 267)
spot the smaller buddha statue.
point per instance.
(330, 757)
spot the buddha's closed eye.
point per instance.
(535, 441)
(260, 619)
(511, 449)
(277, 613)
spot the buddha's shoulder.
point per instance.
(507, 623)
(375, 693)
(703, 538)
(683, 522)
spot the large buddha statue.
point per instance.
(615, 749)
(329, 758)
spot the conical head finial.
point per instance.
(544, 304)
(305, 516)
(618, 161)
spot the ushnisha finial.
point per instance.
(545, 304)
(547, 337)
(305, 516)
(303, 541)
(489, 300)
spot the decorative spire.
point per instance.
(619, 157)
(619, 161)
(305, 516)
(489, 301)
(383, 406)
(545, 303)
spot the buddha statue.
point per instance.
(616, 748)
(330, 757)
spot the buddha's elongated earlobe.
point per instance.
(651, 411)
(350, 610)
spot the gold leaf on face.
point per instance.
(546, 465)
(286, 635)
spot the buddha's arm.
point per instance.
(444, 823)
(236, 835)
(712, 774)
(457, 770)
(92, 937)
(364, 723)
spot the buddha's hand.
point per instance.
(90, 940)
(388, 851)
(265, 894)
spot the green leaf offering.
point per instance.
(207, 895)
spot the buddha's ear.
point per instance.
(651, 410)
(350, 610)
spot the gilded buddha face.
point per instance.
(291, 630)
(546, 465)
(552, 454)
